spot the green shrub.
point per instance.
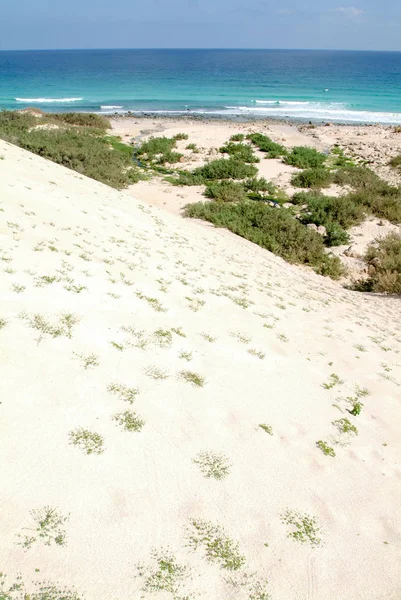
(316, 177)
(339, 159)
(85, 149)
(169, 157)
(232, 168)
(358, 178)
(237, 137)
(82, 120)
(259, 185)
(156, 146)
(336, 214)
(265, 144)
(385, 276)
(192, 147)
(243, 152)
(273, 229)
(181, 136)
(225, 191)
(396, 162)
(304, 157)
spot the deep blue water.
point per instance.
(296, 84)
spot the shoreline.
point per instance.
(204, 118)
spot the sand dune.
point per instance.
(140, 353)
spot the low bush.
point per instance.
(304, 157)
(181, 136)
(243, 152)
(231, 168)
(339, 159)
(385, 265)
(237, 137)
(82, 120)
(322, 210)
(273, 229)
(316, 177)
(225, 191)
(156, 146)
(396, 162)
(259, 185)
(85, 149)
(265, 144)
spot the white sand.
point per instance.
(141, 492)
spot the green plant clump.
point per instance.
(243, 152)
(217, 546)
(315, 177)
(325, 448)
(225, 191)
(88, 441)
(265, 144)
(231, 168)
(76, 141)
(213, 465)
(273, 229)
(304, 157)
(305, 528)
(384, 258)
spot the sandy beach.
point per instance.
(179, 407)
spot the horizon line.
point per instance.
(198, 48)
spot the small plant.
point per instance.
(305, 528)
(124, 392)
(192, 147)
(129, 421)
(345, 426)
(88, 441)
(62, 328)
(237, 137)
(257, 353)
(333, 381)
(156, 373)
(3, 323)
(208, 337)
(217, 546)
(356, 408)
(89, 361)
(185, 355)
(165, 575)
(49, 528)
(194, 378)
(213, 465)
(244, 338)
(163, 337)
(117, 346)
(267, 428)
(325, 448)
(181, 136)
(178, 331)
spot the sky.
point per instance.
(321, 24)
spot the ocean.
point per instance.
(337, 86)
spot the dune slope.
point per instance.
(140, 355)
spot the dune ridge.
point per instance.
(109, 308)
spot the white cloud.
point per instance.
(350, 11)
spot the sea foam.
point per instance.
(48, 100)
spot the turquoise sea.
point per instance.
(316, 85)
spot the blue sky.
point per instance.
(336, 24)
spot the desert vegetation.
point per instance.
(77, 141)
